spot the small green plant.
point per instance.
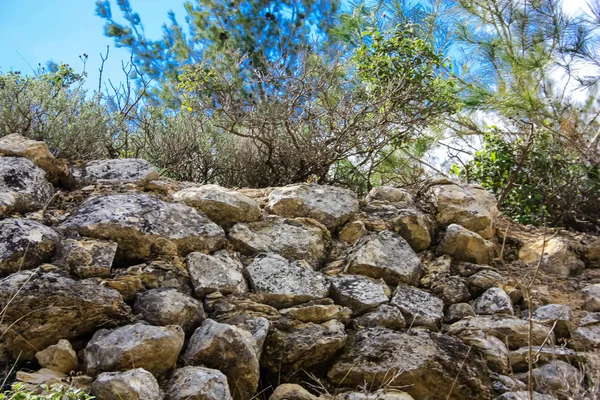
(55, 392)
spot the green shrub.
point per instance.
(52, 106)
(56, 392)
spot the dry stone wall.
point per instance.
(132, 286)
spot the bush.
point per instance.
(56, 392)
(551, 184)
(52, 106)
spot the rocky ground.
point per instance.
(135, 287)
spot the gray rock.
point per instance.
(511, 330)
(464, 245)
(294, 239)
(230, 349)
(450, 289)
(383, 394)
(418, 307)
(386, 256)
(281, 283)
(493, 350)
(542, 355)
(58, 357)
(423, 363)
(223, 206)
(197, 383)
(551, 314)
(467, 205)
(87, 258)
(258, 327)
(167, 306)
(135, 384)
(23, 186)
(295, 346)
(557, 378)
(49, 307)
(329, 205)
(358, 293)
(15, 145)
(457, 312)
(114, 171)
(396, 196)
(154, 348)
(585, 338)
(385, 316)
(493, 301)
(504, 384)
(524, 395)
(591, 297)
(25, 244)
(220, 272)
(143, 225)
(484, 280)
(415, 227)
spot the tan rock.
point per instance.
(291, 391)
(223, 206)
(464, 245)
(558, 259)
(470, 206)
(35, 151)
(59, 357)
(352, 231)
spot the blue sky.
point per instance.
(36, 31)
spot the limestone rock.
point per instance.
(23, 186)
(457, 312)
(425, 364)
(358, 293)
(448, 288)
(554, 313)
(483, 280)
(44, 376)
(135, 384)
(469, 206)
(329, 205)
(399, 197)
(586, 337)
(493, 350)
(258, 327)
(58, 357)
(197, 383)
(352, 231)
(543, 355)
(166, 273)
(294, 239)
(143, 225)
(385, 316)
(281, 283)
(223, 206)
(167, 306)
(383, 394)
(524, 395)
(557, 377)
(154, 348)
(291, 391)
(49, 307)
(317, 312)
(25, 244)
(114, 171)
(504, 384)
(229, 349)
(591, 297)
(87, 258)
(220, 272)
(558, 259)
(464, 245)
(415, 227)
(511, 330)
(418, 307)
(493, 301)
(226, 307)
(291, 347)
(35, 151)
(386, 255)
